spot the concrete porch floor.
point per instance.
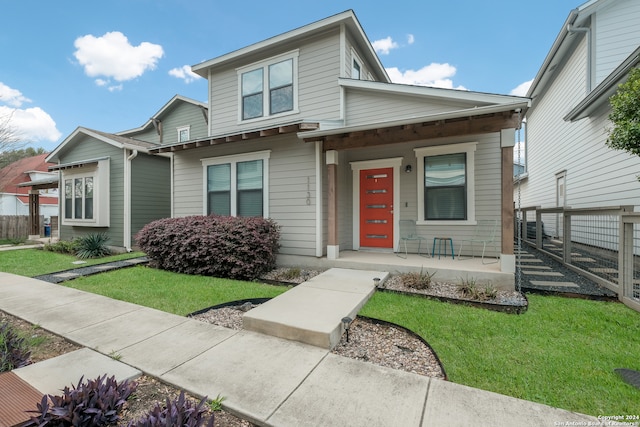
(447, 269)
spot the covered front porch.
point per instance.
(446, 268)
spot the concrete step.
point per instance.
(312, 312)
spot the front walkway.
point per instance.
(269, 380)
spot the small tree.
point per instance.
(9, 138)
(625, 116)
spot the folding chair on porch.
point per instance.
(484, 234)
(408, 233)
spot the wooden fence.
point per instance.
(17, 226)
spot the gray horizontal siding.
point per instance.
(90, 148)
(180, 114)
(150, 191)
(369, 107)
(291, 179)
(318, 93)
(488, 187)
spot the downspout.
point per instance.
(127, 200)
(587, 31)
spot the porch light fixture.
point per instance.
(408, 169)
(346, 322)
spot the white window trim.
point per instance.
(182, 128)
(233, 160)
(101, 194)
(265, 86)
(469, 148)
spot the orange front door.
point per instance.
(376, 208)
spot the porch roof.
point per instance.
(301, 126)
(476, 120)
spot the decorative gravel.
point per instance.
(586, 287)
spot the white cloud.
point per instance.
(384, 46)
(111, 56)
(31, 124)
(12, 97)
(184, 73)
(521, 89)
(434, 75)
(410, 38)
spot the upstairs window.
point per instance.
(269, 88)
(356, 70)
(183, 134)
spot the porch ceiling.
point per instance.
(240, 136)
(457, 126)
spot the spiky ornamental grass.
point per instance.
(93, 246)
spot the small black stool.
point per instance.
(440, 240)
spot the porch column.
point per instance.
(34, 214)
(333, 249)
(507, 257)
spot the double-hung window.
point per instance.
(446, 183)
(85, 200)
(78, 197)
(268, 88)
(237, 185)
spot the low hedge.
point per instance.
(220, 246)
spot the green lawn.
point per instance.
(561, 352)
(34, 262)
(172, 292)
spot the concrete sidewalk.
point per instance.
(268, 380)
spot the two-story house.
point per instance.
(306, 128)
(567, 160)
(110, 183)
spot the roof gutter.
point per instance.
(126, 238)
(571, 19)
(587, 32)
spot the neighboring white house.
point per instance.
(567, 161)
(14, 199)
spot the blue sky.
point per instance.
(111, 65)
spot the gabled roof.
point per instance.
(433, 93)
(605, 89)
(484, 112)
(563, 44)
(177, 99)
(109, 138)
(346, 18)
(17, 172)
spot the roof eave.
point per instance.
(347, 17)
(468, 112)
(605, 89)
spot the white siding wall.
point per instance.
(292, 195)
(595, 174)
(617, 33)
